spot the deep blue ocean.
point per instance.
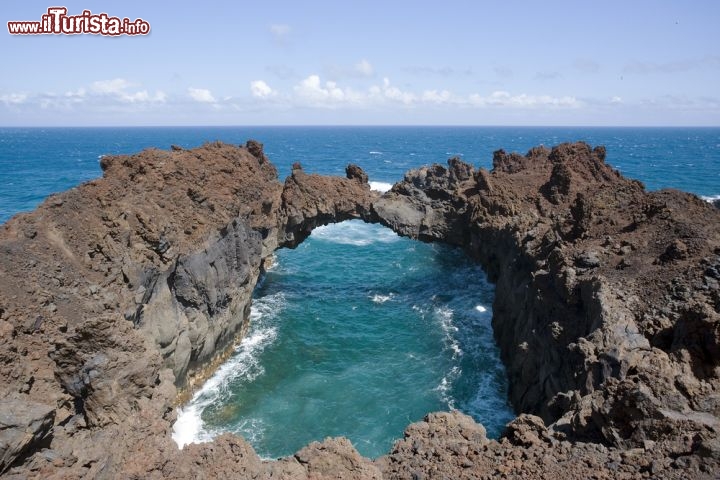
(35, 162)
(357, 332)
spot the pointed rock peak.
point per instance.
(256, 150)
(353, 171)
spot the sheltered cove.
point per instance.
(117, 293)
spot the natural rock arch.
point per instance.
(606, 311)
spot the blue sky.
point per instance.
(370, 63)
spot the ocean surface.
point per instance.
(357, 332)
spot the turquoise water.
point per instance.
(357, 332)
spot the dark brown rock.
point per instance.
(354, 172)
(459, 171)
(611, 352)
(336, 458)
(527, 430)
(601, 340)
(559, 184)
(256, 150)
(677, 250)
(158, 261)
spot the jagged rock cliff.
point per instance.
(607, 299)
(116, 293)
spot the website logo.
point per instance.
(57, 22)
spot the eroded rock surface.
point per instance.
(117, 292)
(607, 300)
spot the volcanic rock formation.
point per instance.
(607, 299)
(118, 293)
(115, 293)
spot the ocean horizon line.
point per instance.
(351, 126)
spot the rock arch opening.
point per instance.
(357, 332)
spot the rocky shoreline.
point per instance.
(118, 294)
(606, 304)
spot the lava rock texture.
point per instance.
(121, 294)
(606, 303)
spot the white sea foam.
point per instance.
(375, 152)
(710, 198)
(378, 298)
(480, 308)
(252, 430)
(445, 385)
(445, 316)
(188, 428)
(381, 187)
(244, 364)
(354, 232)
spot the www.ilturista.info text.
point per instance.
(57, 21)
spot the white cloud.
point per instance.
(393, 93)
(114, 86)
(676, 66)
(616, 100)
(364, 68)
(77, 94)
(312, 92)
(118, 89)
(433, 96)
(143, 96)
(356, 96)
(201, 95)
(361, 69)
(99, 95)
(13, 98)
(505, 99)
(260, 89)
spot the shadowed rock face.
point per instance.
(607, 299)
(117, 292)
